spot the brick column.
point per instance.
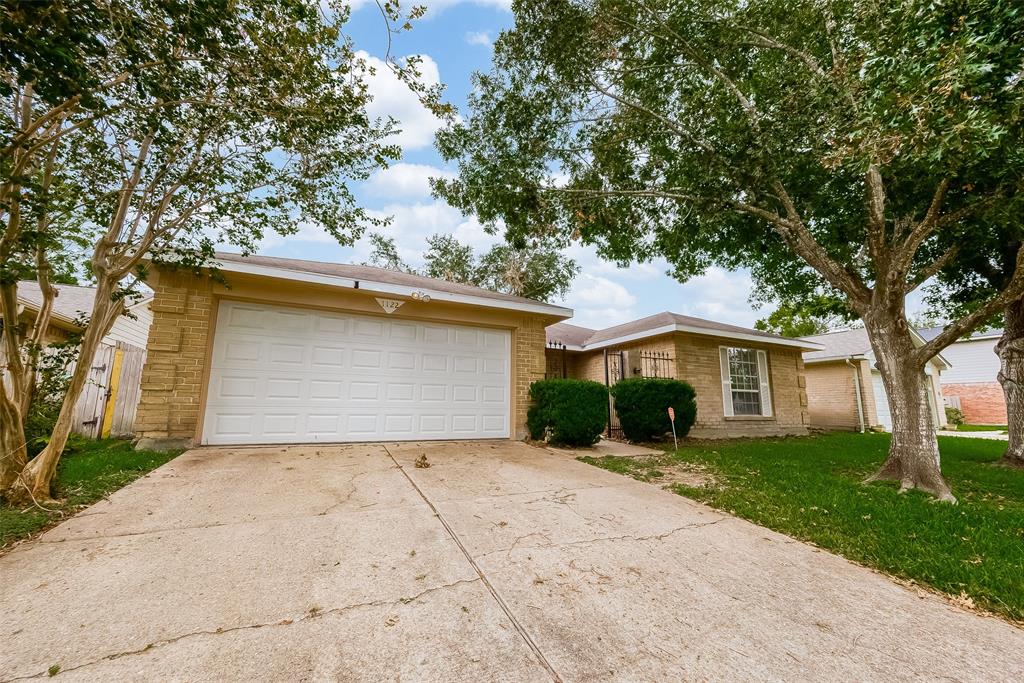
(168, 412)
(529, 362)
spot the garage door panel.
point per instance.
(283, 375)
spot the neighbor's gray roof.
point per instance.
(71, 301)
(370, 274)
(581, 336)
(930, 333)
(845, 344)
(839, 344)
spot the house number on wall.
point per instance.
(389, 305)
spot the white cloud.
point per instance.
(479, 38)
(393, 98)
(412, 224)
(720, 295)
(599, 301)
(405, 181)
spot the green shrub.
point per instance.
(954, 416)
(575, 410)
(642, 406)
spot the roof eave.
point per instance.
(389, 288)
(693, 329)
(55, 318)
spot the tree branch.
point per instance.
(957, 329)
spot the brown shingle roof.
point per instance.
(570, 335)
(371, 274)
(577, 335)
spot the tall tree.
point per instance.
(536, 269)
(835, 138)
(384, 254)
(448, 259)
(985, 267)
(208, 121)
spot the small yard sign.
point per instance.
(672, 419)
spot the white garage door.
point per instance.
(290, 375)
(881, 401)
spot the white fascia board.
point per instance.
(667, 329)
(389, 288)
(835, 359)
(54, 315)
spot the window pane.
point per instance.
(746, 403)
(746, 382)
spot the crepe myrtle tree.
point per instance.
(250, 118)
(843, 137)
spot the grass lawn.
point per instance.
(981, 428)
(810, 488)
(88, 471)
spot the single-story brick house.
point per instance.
(748, 382)
(971, 383)
(844, 387)
(300, 351)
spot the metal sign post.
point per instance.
(672, 419)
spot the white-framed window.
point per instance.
(745, 388)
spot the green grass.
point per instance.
(88, 471)
(811, 488)
(981, 428)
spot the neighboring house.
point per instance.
(748, 382)
(844, 387)
(73, 302)
(294, 351)
(108, 402)
(971, 383)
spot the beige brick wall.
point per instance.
(832, 396)
(172, 379)
(590, 364)
(700, 365)
(697, 362)
(528, 366)
(183, 306)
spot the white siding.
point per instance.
(132, 332)
(972, 361)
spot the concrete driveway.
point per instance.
(499, 562)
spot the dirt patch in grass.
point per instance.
(661, 470)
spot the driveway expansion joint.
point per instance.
(520, 629)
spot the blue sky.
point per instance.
(454, 40)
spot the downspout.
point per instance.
(856, 388)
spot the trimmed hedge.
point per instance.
(576, 411)
(642, 406)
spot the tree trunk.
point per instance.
(914, 450)
(13, 450)
(36, 477)
(1010, 350)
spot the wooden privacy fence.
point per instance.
(108, 402)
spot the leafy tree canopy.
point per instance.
(822, 143)
(536, 269)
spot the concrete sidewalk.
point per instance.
(499, 562)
